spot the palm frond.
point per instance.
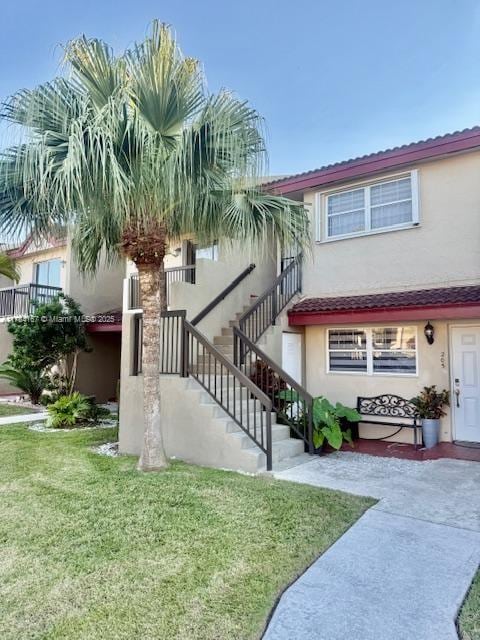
(8, 268)
(136, 142)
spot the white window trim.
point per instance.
(369, 351)
(322, 215)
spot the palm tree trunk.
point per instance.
(153, 454)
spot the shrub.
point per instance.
(32, 381)
(73, 409)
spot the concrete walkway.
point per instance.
(402, 571)
(26, 417)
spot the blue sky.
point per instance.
(333, 79)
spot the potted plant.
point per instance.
(430, 405)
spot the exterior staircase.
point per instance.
(286, 451)
(232, 387)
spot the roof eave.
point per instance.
(461, 311)
(378, 163)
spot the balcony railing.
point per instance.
(173, 274)
(22, 300)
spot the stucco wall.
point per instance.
(98, 293)
(99, 371)
(444, 249)
(433, 368)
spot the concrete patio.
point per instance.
(402, 571)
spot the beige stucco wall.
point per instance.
(444, 249)
(98, 293)
(433, 368)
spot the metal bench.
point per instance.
(391, 411)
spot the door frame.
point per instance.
(451, 327)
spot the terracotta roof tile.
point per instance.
(392, 300)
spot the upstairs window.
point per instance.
(391, 204)
(207, 252)
(48, 273)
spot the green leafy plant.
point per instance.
(327, 423)
(327, 419)
(32, 381)
(67, 411)
(430, 403)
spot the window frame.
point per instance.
(47, 262)
(366, 185)
(369, 351)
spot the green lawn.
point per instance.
(13, 410)
(469, 619)
(90, 548)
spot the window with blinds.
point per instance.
(374, 207)
(377, 350)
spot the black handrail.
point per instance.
(292, 403)
(236, 393)
(222, 295)
(263, 313)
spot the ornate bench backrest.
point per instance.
(387, 406)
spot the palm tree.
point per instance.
(133, 152)
(8, 268)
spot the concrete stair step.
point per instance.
(282, 450)
(240, 412)
(223, 340)
(225, 349)
(243, 441)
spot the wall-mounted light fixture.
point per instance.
(429, 332)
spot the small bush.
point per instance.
(74, 409)
(67, 411)
(30, 380)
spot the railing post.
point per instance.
(274, 305)
(235, 348)
(299, 273)
(11, 310)
(269, 439)
(310, 427)
(184, 355)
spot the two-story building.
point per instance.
(387, 301)
(396, 248)
(48, 268)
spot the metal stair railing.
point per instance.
(264, 312)
(233, 391)
(291, 402)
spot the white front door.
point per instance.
(292, 355)
(465, 398)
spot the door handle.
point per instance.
(457, 396)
